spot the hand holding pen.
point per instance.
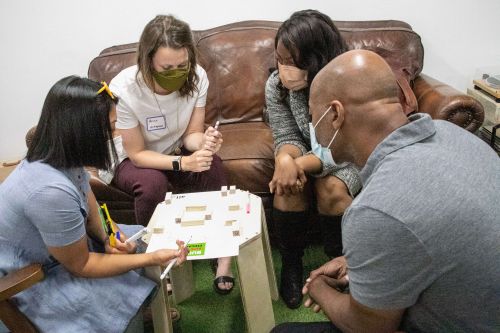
(180, 256)
(212, 138)
(120, 245)
(115, 242)
(182, 253)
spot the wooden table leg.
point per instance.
(182, 281)
(160, 306)
(254, 286)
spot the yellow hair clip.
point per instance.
(106, 89)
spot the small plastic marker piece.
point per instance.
(236, 233)
(232, 189)
(208, 216)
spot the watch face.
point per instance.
(176, 165)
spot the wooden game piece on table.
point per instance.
(233, 207)
(191, 219)
(196, 208)
(229, 223)
(158, 230)
(223, 191)
(168, 198)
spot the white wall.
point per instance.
(42, 41)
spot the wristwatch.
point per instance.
(176, 163)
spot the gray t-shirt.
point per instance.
(424, 234)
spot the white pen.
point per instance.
(137, 235)
(172, 263)
(169, 267)
(216, 126)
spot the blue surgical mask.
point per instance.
(323, 153)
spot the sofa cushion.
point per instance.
(237, 58)
(248, 155)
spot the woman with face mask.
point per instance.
(304, 44)
(161, 116)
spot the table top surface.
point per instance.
(213, 223)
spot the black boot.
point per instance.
(291, 228)
(332, 234)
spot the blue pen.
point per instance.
(118, 236)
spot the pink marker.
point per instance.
(248, 204)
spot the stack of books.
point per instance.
(485, 134)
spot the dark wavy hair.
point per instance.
(74, 128)
(166, 31)
(312, 39)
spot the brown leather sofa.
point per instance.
(238, 58)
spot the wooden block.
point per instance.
(190, 219)
(233, 207)
(168, 198)
(157, 230)
(196, 208)
(223, 191)
(229, 223)
(192, 223)
(232, 189)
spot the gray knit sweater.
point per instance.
(289, 121)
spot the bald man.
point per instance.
(422, 239)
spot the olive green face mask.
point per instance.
(172, 79)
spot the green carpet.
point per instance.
(208, 312)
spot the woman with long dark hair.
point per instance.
(50, 216)
(304, 44)
(161, 116)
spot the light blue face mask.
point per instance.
(324, 154)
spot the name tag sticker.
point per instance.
(156, 123)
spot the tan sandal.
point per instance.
(147, 316)
(175, 315)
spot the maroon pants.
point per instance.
(148, 186)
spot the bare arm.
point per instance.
(200, 160)
(133, 143)
(94, 226)
(349, 315)
(77, 259)
(309, 163)
(286, 171)
(193, 136)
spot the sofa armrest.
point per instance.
(442, 101)
(105, 193)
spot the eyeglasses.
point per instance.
(106, 89)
